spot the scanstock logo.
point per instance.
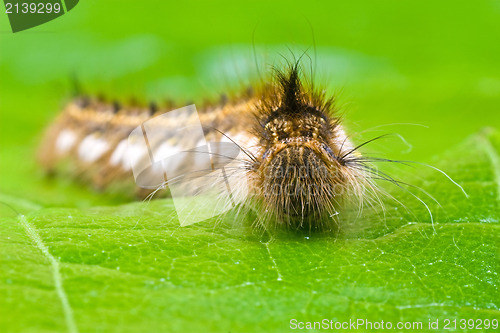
(26, 14)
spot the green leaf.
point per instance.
(132, 268)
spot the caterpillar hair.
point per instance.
(299, 165)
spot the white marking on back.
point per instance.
(119, 153)
(132, 155)
(164, 151)
(91, 148)
(65, 141)
(165, 154)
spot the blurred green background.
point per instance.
(433, 64)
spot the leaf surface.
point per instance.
(132, 268)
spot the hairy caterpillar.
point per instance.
(300, 167)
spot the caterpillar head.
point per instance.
(301, 180)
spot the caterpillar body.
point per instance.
(299, 165)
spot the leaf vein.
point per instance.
(56, 274)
